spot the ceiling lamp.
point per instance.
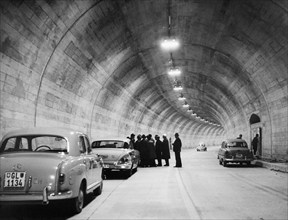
(170, 44)
(185, 105)
(194, 114)
(177, 86)
(189, 110)
(181, 97)
(174, 71)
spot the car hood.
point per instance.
(40, 168)
(110, 154)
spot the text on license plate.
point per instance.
(14, 179)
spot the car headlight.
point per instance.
(125, 160)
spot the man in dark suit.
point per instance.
(177, 149)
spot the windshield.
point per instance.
(238, 144)
(33, 143)
(109, 144)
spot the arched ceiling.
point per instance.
(103, 57)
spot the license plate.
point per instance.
(14, 179)
(238, 155)
(106, 166)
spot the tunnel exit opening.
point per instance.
(256, 135)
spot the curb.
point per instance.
(281, 167)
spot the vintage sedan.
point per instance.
(117, 156)
(234, 151)
(201, 147)
(39, 165)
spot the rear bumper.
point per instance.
(237, 160)
(43, 198)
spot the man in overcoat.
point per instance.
(177, 149)
(165, 150)
(158, 148)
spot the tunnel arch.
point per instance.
(95, 66)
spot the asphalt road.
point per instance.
(201, 189)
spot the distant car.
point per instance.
(39, 165)
(234, 151)
(201, 147)
(117, 156)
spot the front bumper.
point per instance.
(116, 167)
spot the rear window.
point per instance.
(43, 143)
(238, 144)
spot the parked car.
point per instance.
(39, 165)
(117, 156)
(201, 147)
(234, 151)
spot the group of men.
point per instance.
(154, 149)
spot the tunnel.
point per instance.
(97, 66)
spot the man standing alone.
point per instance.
(177, 149)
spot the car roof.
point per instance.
(235, 140)
(113, 139)
(42, 130)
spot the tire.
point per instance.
(98, 190)
(224, 163)
(220, 162)
(78, 202)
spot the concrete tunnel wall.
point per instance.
(75, 64)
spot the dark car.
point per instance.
(234, 151)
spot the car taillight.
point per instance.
(61, 178)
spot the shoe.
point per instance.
(166, 165)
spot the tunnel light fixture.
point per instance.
(189, 110)
(170, 44)
(177, 86)
(185, 105)
(181, 97)
(174, 71)
(194, 114)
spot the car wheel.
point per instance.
(224, 163)
(78, 202)
(220, 161)
(99, 189)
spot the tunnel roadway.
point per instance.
(201, 189)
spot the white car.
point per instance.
(201, 147)
(40, 165)
(117, 156)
